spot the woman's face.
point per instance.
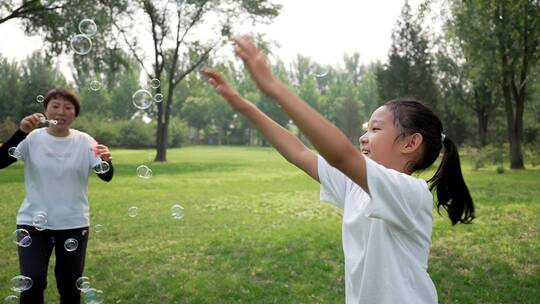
(379, 142)
(63, 111)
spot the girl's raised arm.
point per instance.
(331, 143)
(286, 143)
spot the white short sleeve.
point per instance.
(333, 183)
(395, 197)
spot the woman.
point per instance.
(57, 163)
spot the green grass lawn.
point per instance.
(255, 231)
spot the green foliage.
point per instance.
(8, 126)
(489, 155)
(409, 72)
(132, 133)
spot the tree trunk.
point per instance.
(482, 107)
(161, 141)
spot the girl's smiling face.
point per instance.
(381, 141)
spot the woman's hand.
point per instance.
(31, 122)
(255, 63)
(103, 152)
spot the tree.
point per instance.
(512, 30)
(10, 82)
(39, 77)
(409, 72)
(172, 26)
(58, 20)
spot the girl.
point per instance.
(57, 163)
(388, 214)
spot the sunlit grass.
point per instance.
(254, 231)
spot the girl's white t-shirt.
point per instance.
(386, 234)
(56, 171)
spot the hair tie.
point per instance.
(443, 136)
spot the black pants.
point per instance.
(34, 263)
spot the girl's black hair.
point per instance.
(411, 116)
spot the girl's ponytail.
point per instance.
(452, 193)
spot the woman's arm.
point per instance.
(329, 141)
(105, 154)
(286, 143)
(28, 124)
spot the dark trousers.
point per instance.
(34, 263)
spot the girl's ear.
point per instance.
(412, 143)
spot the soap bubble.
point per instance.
(71, 244)
(142, 99)
(177, 212)
(102, 167)
(320, 72)
(22, 238)
(11, 299)
(95, 85)
(83, 284)
(14, 152)
(21, 283)
(144, 172)
(133, 211)
(88, 27)
(98, 228)
(40, 98)
(81, 44)
(93, 296)
(155, 83)
(158, 97)
(39, 220)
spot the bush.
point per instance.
(490, 155)
(178, 133)
(532, 154)
(131, 133)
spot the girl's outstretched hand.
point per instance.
(224, 89)
(256, 64)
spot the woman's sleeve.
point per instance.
(333, 183)
(395, 197)
(5, 158)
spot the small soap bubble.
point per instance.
(83, 284)
(93, 296)
(133, 211)
(142, 99)
(144, 172)
(177, 212)
(14, 152)
(98, 228)
(71, 244)
(81, 44)
(39, 220)
(88, 27)
(21, 283)
(155, 83)
(102, 167)
(22, 238)
(158, 97)
(40, 98)
(11, 299)
(320, 72)
(95, 85)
